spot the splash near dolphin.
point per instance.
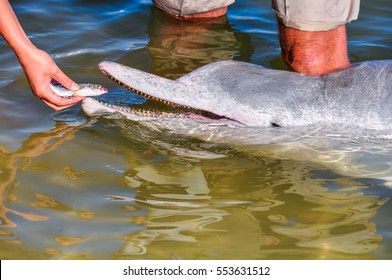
(242, 94)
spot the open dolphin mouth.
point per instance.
(168, 110)
(143, 94)
(245, 94)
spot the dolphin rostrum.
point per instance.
(244, 94)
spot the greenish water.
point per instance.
(76, 188)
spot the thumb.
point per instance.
(63, 79)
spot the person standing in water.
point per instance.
(312, 33)
(312, 38)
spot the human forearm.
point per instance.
(38, 66)
(12, 31)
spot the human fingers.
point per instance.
(60, 107)
(55, 107)
(63, 79)
(57, 102)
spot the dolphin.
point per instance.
(341, 120)
(235, 93)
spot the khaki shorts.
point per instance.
(189, 7)
(316, 15)
(311, 15)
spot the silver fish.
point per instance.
(84, 90)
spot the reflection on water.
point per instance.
(177, 48)
(12, 162)
(73, 188)
(168, 206)
(241, 207)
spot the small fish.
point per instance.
(84, 90)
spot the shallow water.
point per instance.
(72, 187)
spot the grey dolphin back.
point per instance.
(253, 95)
(358, 96)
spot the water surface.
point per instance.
(76, 188)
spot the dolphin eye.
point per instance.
(274, 124)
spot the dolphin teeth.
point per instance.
(143, 113)
(128, 87)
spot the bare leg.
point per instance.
(314, 52)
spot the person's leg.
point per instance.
(313, 34)
(314, 52)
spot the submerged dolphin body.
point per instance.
(250, 95)
(335, 119)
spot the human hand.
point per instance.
(38, 66)
(40, 69)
